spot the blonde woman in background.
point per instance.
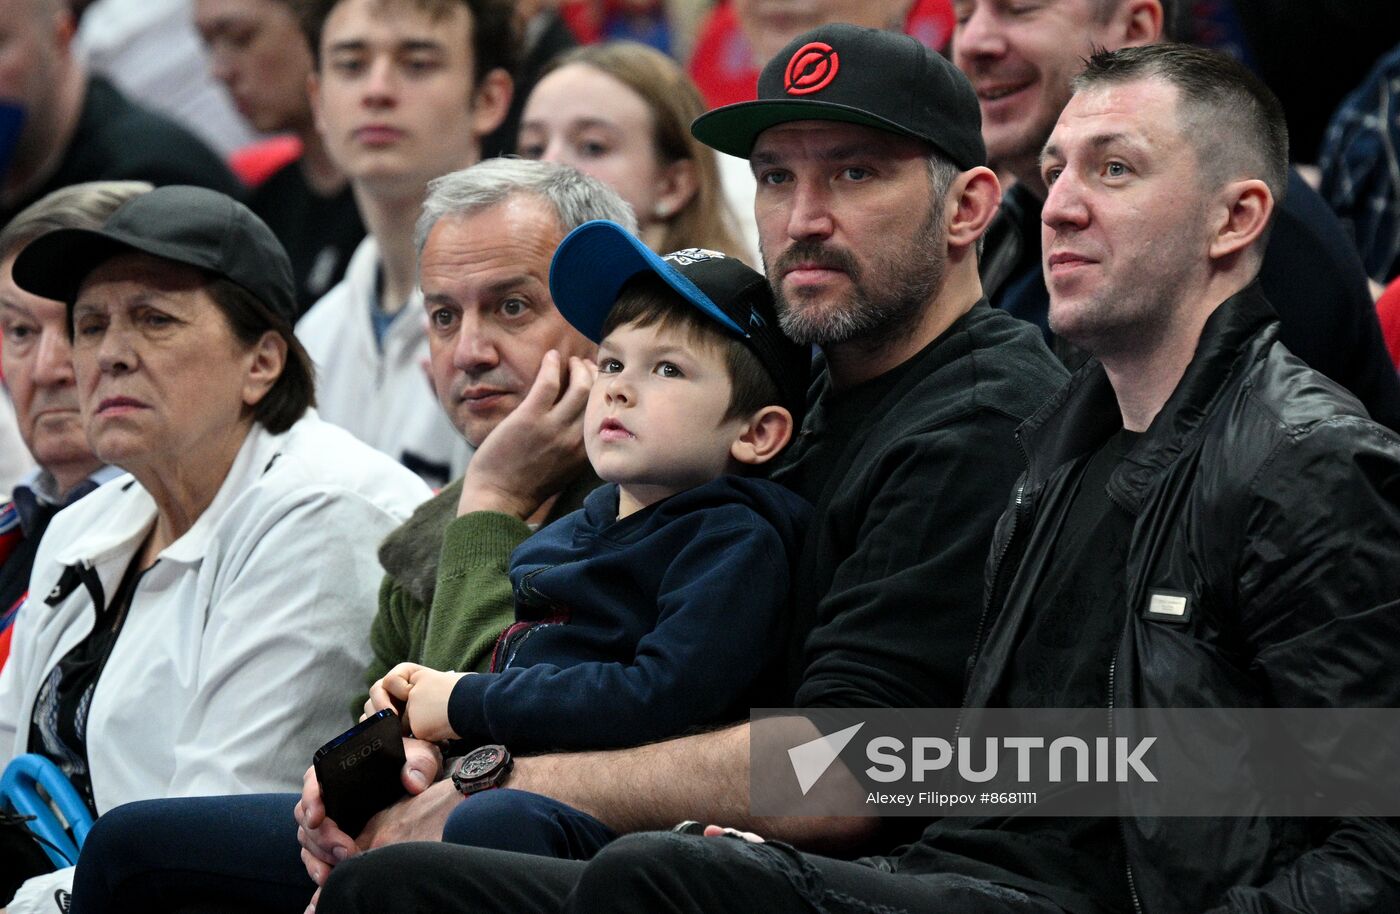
(621, 113)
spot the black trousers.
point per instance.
(651, 873)
(240, 853)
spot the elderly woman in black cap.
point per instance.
(196, 626)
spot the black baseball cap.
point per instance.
(841, 72)
(598, 258)
(189, 225)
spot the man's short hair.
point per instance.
(495, 44)
(941, 175)
(1235, 123)
(82, 206)
(647, 301)
(574, 197)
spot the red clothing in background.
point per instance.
(722, 65)
(256, 163)
(1388, 310)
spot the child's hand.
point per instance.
(379, 695)
(420, 696)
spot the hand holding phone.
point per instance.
(359, 771)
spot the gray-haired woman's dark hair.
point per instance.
(294, 391)
(80, 206)
(574, 197)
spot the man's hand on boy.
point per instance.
(536, 450)
(419, 695)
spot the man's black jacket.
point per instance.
(1263, 493)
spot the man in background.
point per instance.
(258, 51)
(38, 369)
(62, 126)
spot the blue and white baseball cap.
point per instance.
(598, 258)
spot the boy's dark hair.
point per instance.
(495, 43)
(646, 301)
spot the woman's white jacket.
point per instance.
(246, 638)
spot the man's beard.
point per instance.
(881, 307)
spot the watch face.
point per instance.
(479, 762)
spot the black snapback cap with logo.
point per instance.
(595, 261)
(871, 77)
(193, 226)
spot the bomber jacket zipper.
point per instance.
(1112, 679)
(1122, 831)
(994, 597)
(994, 594)
(991, 599)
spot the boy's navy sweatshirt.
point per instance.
(642, 628)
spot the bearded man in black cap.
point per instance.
(872, 195)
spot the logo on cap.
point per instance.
(688, 256)
(811, 69)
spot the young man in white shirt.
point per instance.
(402, 92)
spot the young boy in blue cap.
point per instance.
(659, 606)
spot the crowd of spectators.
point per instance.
(563, 380)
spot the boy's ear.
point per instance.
(764, 437)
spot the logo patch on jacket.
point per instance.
(1169, 606)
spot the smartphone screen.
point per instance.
(360, 771)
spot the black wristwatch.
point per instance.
(481, 769)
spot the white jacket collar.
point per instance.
(120, 529)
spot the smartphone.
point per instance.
(360, 771)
